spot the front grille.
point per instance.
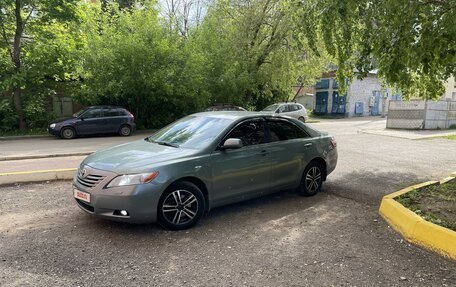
(90, 180)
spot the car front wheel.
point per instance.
(68, 133)
(312, 179)
(181, 206)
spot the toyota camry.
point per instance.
(200, 162)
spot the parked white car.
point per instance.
(293, 110)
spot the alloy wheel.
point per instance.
(180, 207)
(313, 179)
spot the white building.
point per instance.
(363, 97)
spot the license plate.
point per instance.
(84, 196)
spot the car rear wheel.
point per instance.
(181, 206)
(68, 133)
(312, 179)
(125, 130)
(302, 119)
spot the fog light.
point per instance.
(121, 212)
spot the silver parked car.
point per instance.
(200, 162)
(294, 110)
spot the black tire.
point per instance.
(302, 119)
(312, 179)
(181, 206)
(125, 131)
(68, 133)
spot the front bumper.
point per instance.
(140, 201)
(54, 131)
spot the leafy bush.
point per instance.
(8, 118)
(35, 111)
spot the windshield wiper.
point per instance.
(164, 143)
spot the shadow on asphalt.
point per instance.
(369, 187)
(266, 208)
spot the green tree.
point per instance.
(130, 60)
(412, 43)
(251, 52)
(33, 40)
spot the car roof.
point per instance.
(238, 115)
(105, 106)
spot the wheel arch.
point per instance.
(200, 184)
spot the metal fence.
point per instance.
(421, 114)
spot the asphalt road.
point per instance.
(54, 146)
(333, 238)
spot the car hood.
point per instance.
(135, 157)
(61, 120)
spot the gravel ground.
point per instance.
(334, 238)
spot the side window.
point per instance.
(250, 132)
(93, 113)
(283, 109)
(111, 112)
(293, 108)
(283, 130)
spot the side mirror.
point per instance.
(278, 111)
(232, 143)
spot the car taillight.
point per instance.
(333, 142)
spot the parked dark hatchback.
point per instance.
(95, 120)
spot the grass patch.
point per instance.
(436, 203)
(312, 121)
(449, 137)
(28, 132)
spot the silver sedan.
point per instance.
(200, 162)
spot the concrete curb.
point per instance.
(414, 228)
(37, 175)
(7, 158)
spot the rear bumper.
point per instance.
(331, 161)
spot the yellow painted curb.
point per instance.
(36, 175)
(414, 228)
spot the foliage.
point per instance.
(412, 43)
(252, 57)
(8, 119)
(34, 109)
(36, 46)
(129, 60)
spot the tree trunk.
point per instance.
(17, 97)
(17, 64)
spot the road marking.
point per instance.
(38, 171)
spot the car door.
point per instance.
(290, 150)
(245, 172)
(91, 122)
(112, 119)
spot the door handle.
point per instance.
(263, 152)
(307, 145)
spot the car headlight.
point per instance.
(133, 179)
(52, 126)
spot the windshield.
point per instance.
(271, 108)
(193, 132)
(79, 113)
